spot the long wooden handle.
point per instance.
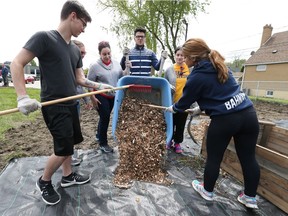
(157, 107)
(161, 67)
(74, 97)
(154, 106)
(163, 108)
(127, 68)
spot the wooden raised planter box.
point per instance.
(272, 156)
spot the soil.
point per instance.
(33, 138)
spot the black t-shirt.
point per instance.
(57, 62)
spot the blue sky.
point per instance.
(232, 27)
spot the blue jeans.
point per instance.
(104, 111)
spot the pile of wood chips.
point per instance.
(141, 135)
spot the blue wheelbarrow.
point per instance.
(160, 95)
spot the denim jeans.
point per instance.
(104, 111)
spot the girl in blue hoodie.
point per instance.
(232, 114)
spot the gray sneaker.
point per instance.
(75, 161)
(106, 148)
(74, 179)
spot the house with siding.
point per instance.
(266, 71)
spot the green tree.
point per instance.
(164, 20)
(33, 63)
(236, 65)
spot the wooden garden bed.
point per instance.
(272, 156)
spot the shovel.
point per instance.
(164, 108)
(74, 97)
(161, 66)
(158, 107)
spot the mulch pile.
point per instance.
(141, 135)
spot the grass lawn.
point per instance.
(8, 100)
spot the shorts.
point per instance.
(64, 126)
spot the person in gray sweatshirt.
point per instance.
(107, 71)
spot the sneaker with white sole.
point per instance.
(177, 148)
(199, 187)
(49, 195)
(170, 145)
(249, 202)
(106, 148)
(74, 179)
(75, 161)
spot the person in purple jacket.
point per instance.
(232, 114)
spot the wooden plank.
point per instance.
(273, 156)
(273, 198)
(277, 141)
(280, 130)
(265, 134)
(266, 123)
(271, 186)
(275, 184)
(265, 189)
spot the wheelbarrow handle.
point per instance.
(74, 97)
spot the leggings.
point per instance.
(179, 121)
(243, 126)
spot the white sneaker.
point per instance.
(75, 161)
(199, 187)
(249, 202)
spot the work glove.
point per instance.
(103, 86)
(128, 64)
(126, 51)
(27, 105)
(164, 54)
(194, 111)
(170, 109)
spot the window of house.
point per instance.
(269, 93)
(261, 67)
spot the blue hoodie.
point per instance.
(214, 98)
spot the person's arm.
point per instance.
(168, 77)
(17, 70)
(191, 92)
(83, 81)
(154, 61)
(122, 63)
(25, 103)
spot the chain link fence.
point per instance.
(271, 89)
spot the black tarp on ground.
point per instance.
(19, 195)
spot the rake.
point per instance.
(132, 87)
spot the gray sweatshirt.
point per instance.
(99, 72)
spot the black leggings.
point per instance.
(179, 121)
(243, 126)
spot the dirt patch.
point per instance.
(34, 139)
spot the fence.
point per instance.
(271, 89)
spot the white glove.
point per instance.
(126, 51)
(194, 111)
(164, 54)
(104, 86)
(27, 105)
(170, 109)
(128, 64)
(172, 87)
